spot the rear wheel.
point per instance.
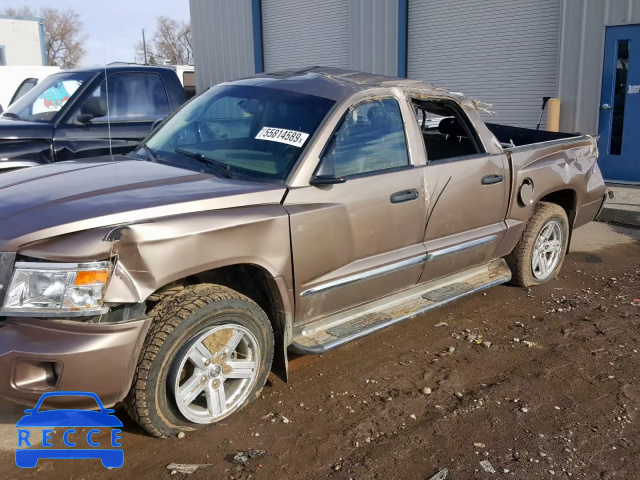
(540, 252)
(207, 354)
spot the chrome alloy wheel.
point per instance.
(547, 250)
(214, 375)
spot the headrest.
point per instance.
(451, 126)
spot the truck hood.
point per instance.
(43, 202)
(11, 129)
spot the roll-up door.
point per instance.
(302, 33)
(502, 52)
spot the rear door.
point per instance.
(135, 101)
(360, 240)
(467, 190)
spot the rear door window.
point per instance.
(446, 131)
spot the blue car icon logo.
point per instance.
(79, 445)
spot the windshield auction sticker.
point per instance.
(282, 135)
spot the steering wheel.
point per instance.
(216, 130)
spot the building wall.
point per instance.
(581, 57)
(23, 41)
(374, 36)
(238, 38)
(223, 40)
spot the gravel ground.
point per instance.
(527, 383)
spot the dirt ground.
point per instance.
(555, 395)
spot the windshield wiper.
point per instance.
(11, 115)
(220, 167)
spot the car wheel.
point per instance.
(207, 354)
(538, 256)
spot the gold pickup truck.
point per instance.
(293, 211)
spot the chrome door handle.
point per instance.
(605, 106)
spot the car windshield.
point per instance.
(48, 97)
(239, 131)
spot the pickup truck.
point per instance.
(293, 211)
(89, 112)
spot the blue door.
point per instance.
(620, 105)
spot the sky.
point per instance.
(114, 26)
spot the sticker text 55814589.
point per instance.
(282, 135)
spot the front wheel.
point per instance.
(538, 256)
(207, 354)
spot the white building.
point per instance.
(22, 41)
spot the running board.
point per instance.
(324, 335)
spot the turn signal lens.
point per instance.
(90, 277)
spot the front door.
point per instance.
(360, 240)
(619, 143)
(135, 101)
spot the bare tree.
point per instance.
(63, 38)
(24, 11)
(62, 34)
(171, 43)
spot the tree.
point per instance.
(171, 43)
(62, 34)
(63, 38)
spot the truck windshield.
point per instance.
(48, 97)
(239, 131)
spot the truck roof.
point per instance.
(122, 67)
(333, 83)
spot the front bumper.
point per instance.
(37, 356)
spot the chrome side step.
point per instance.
(329, 333)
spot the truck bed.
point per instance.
(510, 137)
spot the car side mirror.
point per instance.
(319, 180)
(156, 124)
(93, 107)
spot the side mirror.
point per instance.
(319, 180)
(93, 107)
(156, 124)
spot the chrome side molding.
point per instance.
(443, 252)
(394, 267)
(358, 277)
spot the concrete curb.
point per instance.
(616, 215)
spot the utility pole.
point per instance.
(144, 46)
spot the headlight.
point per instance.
(57, 288)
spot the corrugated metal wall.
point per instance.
(503, 52)
(583, 29)
(299, 33)
(223, 40)
(374, 36)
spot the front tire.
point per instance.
(207, 354)
(539, 254)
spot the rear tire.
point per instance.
(190, 325)
(538, 256)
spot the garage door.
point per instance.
(302, 33)
(503, 52)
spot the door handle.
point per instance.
(491, 179)
(404, 196)
(605, 106)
